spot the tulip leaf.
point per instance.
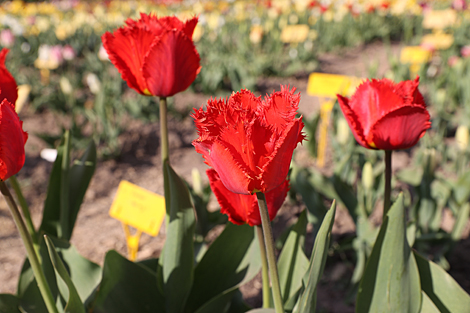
(126, 287)
(441, 288)
(460, 222)
(80, 175)
(67, 187)
(230, 261)
(348, 196)
(178, 255)
(428, 306)
(219, 303)
(9, 303)
(391, 280)
(74, 303)
(292, 263)
(262, 311)
(307, 301)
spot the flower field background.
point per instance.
(67, 82)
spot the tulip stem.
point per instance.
(28, 243)
(388, 182)
(264, 268)
(24, 208)
(164, 130)
(269, 243)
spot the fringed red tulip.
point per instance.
(250, 141)
(243, 209)
(155, 56)
(386, 116)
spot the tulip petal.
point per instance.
(237, 177)
(171, 65)
(281, 107)
(8, 89)
(126, 49)
(12, 141)
(353, 121)
(242, 209)
(400, 129)
(235, 206)
(274, 172)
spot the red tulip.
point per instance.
(386, 116)
(8, 87)
(249, 141)
(242, 209)
(155, 56)
(12, 141)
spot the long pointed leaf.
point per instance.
(441, 288)
(391, 280)
(307, 301)
(80, 176)
(292, 263)
(178, 254)
(74, 304)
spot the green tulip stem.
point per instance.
(25, 209)
(264, 268)
(164, 130)
(388, 182)
(269, 243)
(28, 243)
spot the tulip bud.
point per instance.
(197, 183)
(368, 176)
(93, 83)
(23, 94)
(65, 85)
(431, 160)
(461, 137)
(342, 132)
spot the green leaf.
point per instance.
(80, 176)
(52, 216)
(441, 288)
(9, 303)
(85, 274)
(178, 255)
(348, 196)
(231, 260)
(67, 187)
(219, 304)
(262, 311)
(126, 287)
(292, 263)
(391, 280)
(307, 301)
(74, 304)
(428, 306)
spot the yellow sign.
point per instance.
(438, 41)
(138, 208)
(294, 33)
(415, 55)
(439, 19)
(328, 85)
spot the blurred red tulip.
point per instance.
(155, 56)
(242, 209)
(8, 87)
(12, 141)
(386, 116)
(249, 141)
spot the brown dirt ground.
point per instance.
(96, 232)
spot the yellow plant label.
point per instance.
(414, 55)
(440, 19)
(138, 208)
(328, 85)
(438, 41)
(294, 33)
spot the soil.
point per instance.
(96, 232)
